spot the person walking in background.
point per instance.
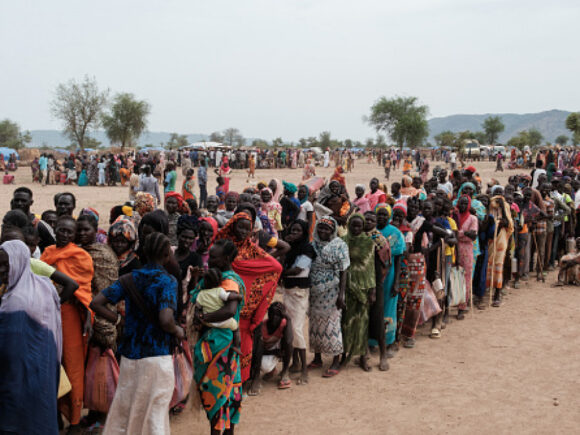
(202, 181)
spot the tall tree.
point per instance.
(492, 126)
(79, 106)
(277, 142)
(127, 120)
(402, 118)
(573, 124)
(445, 139)
(177, 141)
(233, 137)
(520, 140)
(325, 139)
(11, 136)
(535, 138)
(562, 140)
(216, 136)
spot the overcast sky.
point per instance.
(291, 68)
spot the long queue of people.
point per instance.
(121, 322)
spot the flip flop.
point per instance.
(330, 373)
(284, 385)
(435, 333)
(314, 365)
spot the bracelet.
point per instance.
(119, 317)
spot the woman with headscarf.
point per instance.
(144, 203)
(467, 233)
(391, 282)
(30, 345)
(231, 201)
(260, 273)
(377, 308)
(327, 294)
(337, 176)
(289, 203)
(75, 262)
(309, 170)
(296, 280)
(360, 290)
(277, 189)
(272, 209)
(122, 239)
(208, 229)
(93, 171)
(424, 170)
(407, 188)
(217, 373)
(224, 171)
(101, 236)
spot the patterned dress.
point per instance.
(324, 323)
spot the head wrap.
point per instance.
(175, 195)
(31, 294)
(89, 211)
(144, 203)
(471, 169)
(495, 188)
(360, 186)
(401, 205)
(463, 216)
(327, 220)
(232, 194)
(407, 181)
(383, 206)
(290, 187)
(124, 227)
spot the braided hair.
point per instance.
(156, 244)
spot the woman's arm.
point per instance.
(280, 249)
(224, 313)
(98, 305)
(69, 286)
(167, 323)
(340, 304)
(309, 215)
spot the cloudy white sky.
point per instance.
(291, 68)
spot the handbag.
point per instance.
(429, 305)
(64, 385)
(183, 369)
(101, 379)
(457, 286)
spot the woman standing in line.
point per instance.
(327, 294)
(30, 345)
(146, 380)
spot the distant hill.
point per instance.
(55, 138)
(550, 123)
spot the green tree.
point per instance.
(562, 140)
(233, 137)
(302, 142)
(127, 120)
(520, 141)
(380, 141)
(480, 136)
(11, 136)
(325, 139)
(535, 138)
(402, 119)
(460, 139)
(312, 141)
(259, 143)
(79, 106)
(492, 126)
(573, 124)
(216, 136)
(177, 141)
(277, 142)
(445, 139)
(369, 143)
(348, 143)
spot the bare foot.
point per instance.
(303, 379)
(384, 364)
(364, 363)
(255, 388)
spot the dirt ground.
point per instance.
(513, 369)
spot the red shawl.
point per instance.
(260, 273)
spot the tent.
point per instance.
(205, 145)
(6, 152)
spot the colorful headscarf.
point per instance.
(144, 203)
(477, 205)
(89, 211)
(124, 227)
(290, 187)
(384, 206)
(401, 205)
(213, 224)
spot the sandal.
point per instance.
(284, 384)
(329, 373)
(314, 365)
(435, 333)
(409, 343)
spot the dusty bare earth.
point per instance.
(514, 369)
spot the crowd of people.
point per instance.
(214, 291)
